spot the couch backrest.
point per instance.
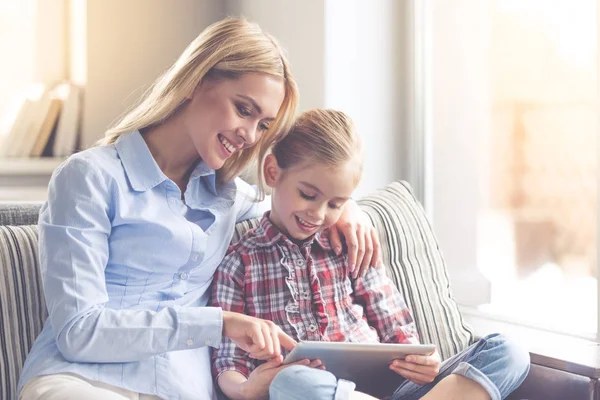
(409, 248)
(22, 305)
(19, 214)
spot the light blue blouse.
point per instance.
(126, 268)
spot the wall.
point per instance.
(129, 44)
(299, 27)
(365, 70)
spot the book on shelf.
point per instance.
(42, 118)
(68, 127)
(46, 128)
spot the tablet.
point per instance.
(356, 361)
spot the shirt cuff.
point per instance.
(200, 326)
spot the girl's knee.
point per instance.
(514, 356)
(299, 381)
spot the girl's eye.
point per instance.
(244, 111)
(335, 206)
(305, 196)
(263, 127)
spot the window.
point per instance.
(513, 161)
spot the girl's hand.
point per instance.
(419, 369)
(360, 236)
(257, 385)
(261, 338)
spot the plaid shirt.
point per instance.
(308, 292)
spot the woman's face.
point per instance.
(225, 116)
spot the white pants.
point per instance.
(75, 387)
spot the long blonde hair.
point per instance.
(226, 49)
(320, 136)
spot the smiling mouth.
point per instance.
(226, 144)
(305, 225)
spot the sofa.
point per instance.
(410, 253)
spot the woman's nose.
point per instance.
(247, 134)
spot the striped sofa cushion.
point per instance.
(242, 227)
(414, 262)
(22, 306)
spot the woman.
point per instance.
(134, 229)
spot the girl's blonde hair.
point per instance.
(320, 136)
(225, 50)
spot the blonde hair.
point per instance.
(225, 50)
(320, 136)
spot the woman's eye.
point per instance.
(305, 196)
(335, 206)
(263, 127)
(244, 111)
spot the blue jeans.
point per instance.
(495, 362)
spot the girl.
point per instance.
(285, 271)
(134, 229)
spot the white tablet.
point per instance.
(356, 361)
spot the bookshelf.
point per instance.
(26, 179)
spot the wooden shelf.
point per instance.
(29, 166)
(23, 195)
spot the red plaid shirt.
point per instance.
(306, 290)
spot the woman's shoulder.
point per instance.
(84, 176)
(101, 160)
(94, 170)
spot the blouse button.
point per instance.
(312, 327)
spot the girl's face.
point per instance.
(309, 197)
(228, 115)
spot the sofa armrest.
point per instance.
(573, 376)
(552, 384)
(553, 350)
(562, 366)
(579, 360)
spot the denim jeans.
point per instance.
(495, 362)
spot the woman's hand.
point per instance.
(261, 338)
(360, 236)
(259, 381)
(419, 369)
